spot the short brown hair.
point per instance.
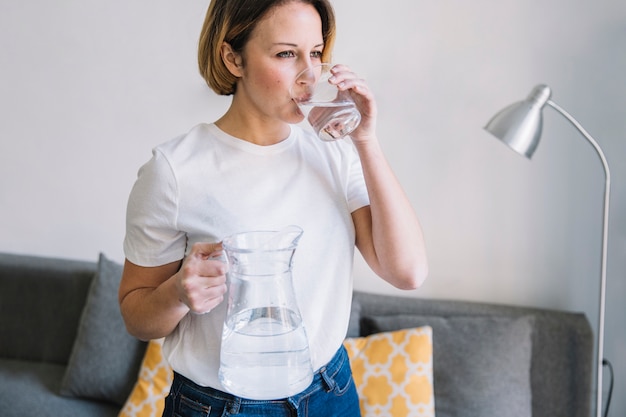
(233, 21)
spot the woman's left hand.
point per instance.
(346, 80)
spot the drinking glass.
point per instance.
(331, 113)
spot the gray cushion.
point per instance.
(41, 300)
(30, 389)
(354, 326)
(481, 365)
(105, 359)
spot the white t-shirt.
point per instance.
(206, 185)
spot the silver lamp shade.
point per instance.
(519, 125)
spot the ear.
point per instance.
(232, 60)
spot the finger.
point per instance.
(340, 68)
(213, 282)
(205, 250)
(350, 81)
(212, 297)
(212, 268)
(206, 294)
(200, 268)
(206, 259)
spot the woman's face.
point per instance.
(286, 41)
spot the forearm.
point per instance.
(396, 243)
(153, 300)
(152, 313)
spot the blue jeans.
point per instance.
(332, 393)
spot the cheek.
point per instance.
(280, 79)
(268, 83)
(271, 82)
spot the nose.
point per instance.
(306, 75)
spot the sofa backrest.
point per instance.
(41, 301)
(561, 343)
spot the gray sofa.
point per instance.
(64, 350)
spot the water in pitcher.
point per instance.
(265, 354)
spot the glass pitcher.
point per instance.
(265, 350)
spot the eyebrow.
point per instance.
(294, 45)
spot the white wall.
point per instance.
(88, 88)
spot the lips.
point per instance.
(302, 95)
(302, 98)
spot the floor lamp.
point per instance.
(519, 126)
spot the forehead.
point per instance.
(289, 22)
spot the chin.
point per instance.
(295, 118)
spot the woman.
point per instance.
(254, 170)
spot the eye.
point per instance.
(286, 54)
(316, 54)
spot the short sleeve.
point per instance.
(356, 191)
(152, 236)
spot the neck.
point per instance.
(246, 126)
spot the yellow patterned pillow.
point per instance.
(155, 378)
(393, 372)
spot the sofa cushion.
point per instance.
(155, 379)
(393, 372)
(105, 359)
(41, 300)
(354, 326)
(481, 364)
(30, 389)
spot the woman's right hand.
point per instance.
(153, 300)
(201, 280)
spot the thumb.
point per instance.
(206, 250)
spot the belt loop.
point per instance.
(330, 382)
(177, 384)
(233, 406)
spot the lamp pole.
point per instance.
(605, 232)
